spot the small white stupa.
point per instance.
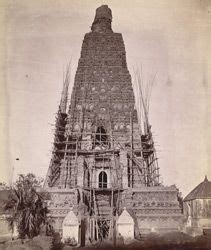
(125, 225)
(70, 227)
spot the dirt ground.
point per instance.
(170, 241)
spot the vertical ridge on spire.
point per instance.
(64, 96)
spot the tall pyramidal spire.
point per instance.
(102, 102)
(100, 161)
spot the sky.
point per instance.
(167, 38)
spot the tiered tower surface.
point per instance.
(101, 162)
(103, 82)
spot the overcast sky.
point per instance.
(167, 37)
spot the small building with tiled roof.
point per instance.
(197, 208)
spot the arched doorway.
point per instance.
(103, 180)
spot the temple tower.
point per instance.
(102, 161)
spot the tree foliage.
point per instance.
(3, 186)
(26, 206)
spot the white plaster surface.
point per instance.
(125, 225)
(70, 226)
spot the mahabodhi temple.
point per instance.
(104, 175)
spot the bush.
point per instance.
(26, 207)
(57, 244)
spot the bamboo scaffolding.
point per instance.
(143, 98)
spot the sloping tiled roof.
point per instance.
(202, 191)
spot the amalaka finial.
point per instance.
(103, 19)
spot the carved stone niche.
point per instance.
(61, 200)
(86, 143)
